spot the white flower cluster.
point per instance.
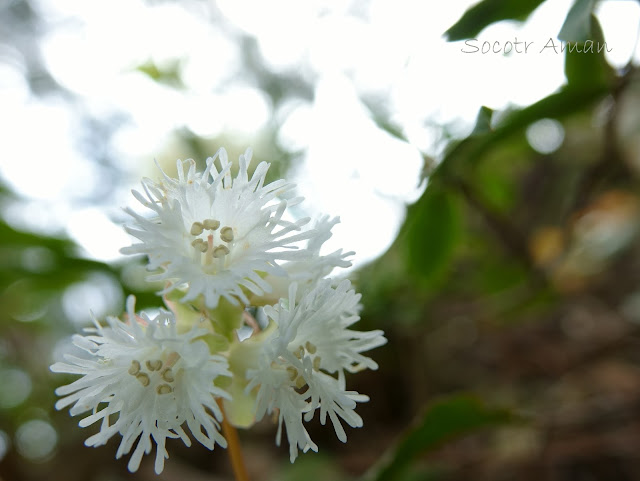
(223, 245)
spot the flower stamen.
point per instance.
(197, 228)
(210, 224)
(167, 375)
(143, 378)
(300, 382)
(200, 245)
(220, 251)
(135, 367)
(154, 365)
(226, 234)
(164, 389)
(293, 373)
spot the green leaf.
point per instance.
(433, 230)
(483, 14)
(444, 420)
(585, 63)
(577, 25)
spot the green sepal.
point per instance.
(223, 382)
(241, 410)
(226, 318)
(216, 342)
(243, 356)
(186, 314)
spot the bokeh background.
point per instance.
(491, 197)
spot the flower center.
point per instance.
(156, 373)
(209, 243)
(308, 350)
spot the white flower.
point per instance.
(216, 235)
(319, 266)
(303, 363)
(145, 381)
(307, 270)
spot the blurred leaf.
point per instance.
(483, 121)
(14, 238)
(483, 14)
(421, 473)
(494, 181)
(433, 230)
(585, 63)
(443, 421)
(381, 118)
(577, 24)
(59, 267)
(558, 105)
(57, 256)
(311, 467)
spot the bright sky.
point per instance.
(392, 50)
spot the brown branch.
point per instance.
(611, 158)
(501, 226)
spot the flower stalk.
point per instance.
(234, 448)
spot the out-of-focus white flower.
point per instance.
(145, 381)
(308, 270)
(303, 363)
(215, 235)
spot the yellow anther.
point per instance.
(316, 363)
(211, 224)
(226, 234)
(293, 373)
(134, 368)
(167, 375)
(220, 251)
(300, 382)
(311, 348)
(154, 365)
(143, 379)
(164, 389)
(200, 245)
(299, 353)
(197, 228)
